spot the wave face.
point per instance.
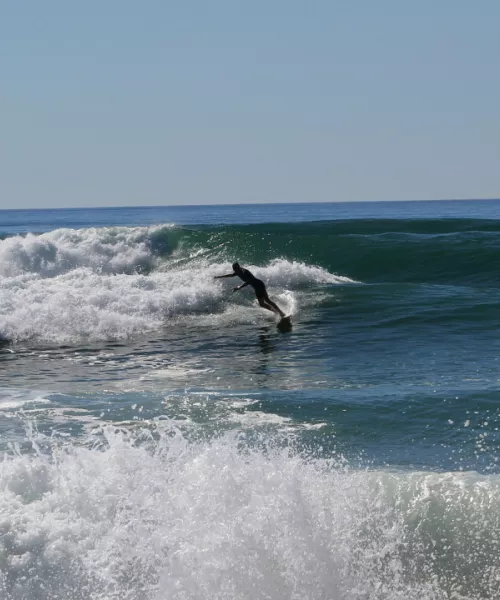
(433, 251)
(113, 282)
(110, 283)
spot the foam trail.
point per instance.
(158, 516)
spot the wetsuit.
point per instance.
(257, 284)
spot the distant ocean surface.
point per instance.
(161, 439)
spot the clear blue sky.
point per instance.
(126, 103)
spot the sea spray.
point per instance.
(154, 514)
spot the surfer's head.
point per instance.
(236, 267)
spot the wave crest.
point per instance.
(107, 250)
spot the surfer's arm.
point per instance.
(238, 287)
(224, 276)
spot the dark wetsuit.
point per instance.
(257, 284)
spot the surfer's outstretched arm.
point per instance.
(238, 287)
(224, 276)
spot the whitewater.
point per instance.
(161, 438)
(46, 278)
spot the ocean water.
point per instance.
(160, 438)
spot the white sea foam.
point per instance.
(256, 417)
(176, 373)
(72, 285)
(282, 272)
(105, 250)
(15, 398)
(83, 305)
(154, 516)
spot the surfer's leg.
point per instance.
(268, 305)
(265, 302)
(276, 307)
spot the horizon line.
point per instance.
(139, 206)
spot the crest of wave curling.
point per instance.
(104, 250)
(156, 516)
(288, 273)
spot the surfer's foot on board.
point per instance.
(285, 323)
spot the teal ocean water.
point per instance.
(160, 438)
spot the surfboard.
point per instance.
(285, 324)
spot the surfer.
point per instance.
(258, 286)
